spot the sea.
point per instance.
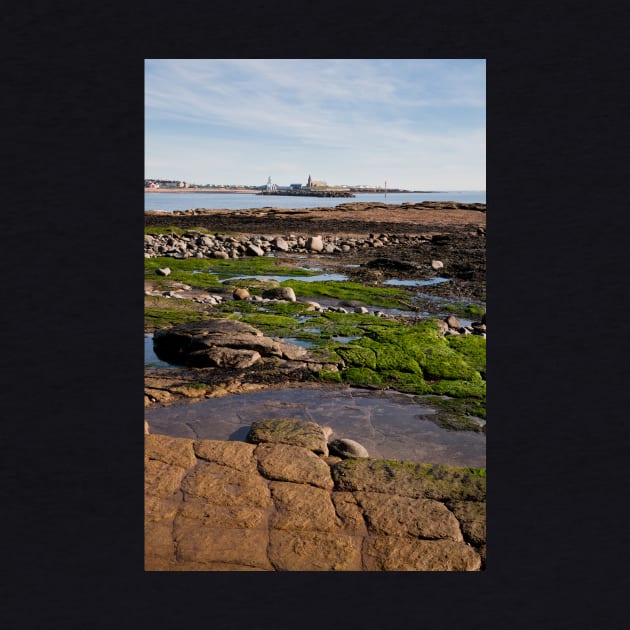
(168, 202)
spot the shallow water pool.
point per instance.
(389, 424)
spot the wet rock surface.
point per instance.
(217, 506)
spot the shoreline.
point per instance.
(241, 191)
(202, 190)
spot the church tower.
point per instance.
(308, 183)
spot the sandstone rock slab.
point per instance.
(283, 462)
(170, 450)
(238, 455)
(302, 508)
(391, 553)
(472, 518)
(314, 551)
(221, 485)
(198, 543)
(404, 516)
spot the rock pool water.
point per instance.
(389, 424)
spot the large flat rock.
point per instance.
(236, 506)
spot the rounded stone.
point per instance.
(240, 294)
(346, 448)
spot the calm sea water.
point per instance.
(236, 201)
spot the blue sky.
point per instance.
(419, 124)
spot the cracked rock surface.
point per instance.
(271, 506)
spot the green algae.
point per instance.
(472, 348)
(330, 376)
(195, 269)
(465, 309)
(432, 481)
(159, 317)
(272, 325)
(363, 376)
(384, 297)
(357, 356)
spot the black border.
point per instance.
(74, 470)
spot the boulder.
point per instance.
(302, 433)
(280, 244)
(315, 243)
(212, 343)
(165, 271)
(437, 264)
(280, 293)
(453, 322)
(346, 448)
(240, 294)
(254, 250)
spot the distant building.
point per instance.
(182, 184)
(316, 183)
(271, 187)
(296, 186)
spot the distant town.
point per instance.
(173, 185)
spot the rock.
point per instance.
(437, 264)
(165, 271)
(220, 254)
(346, 448)
(289, 431)
(238, 455)
(315, 243)
(391, 553)
(453, 322)
(472, 518)
(290, 351)
(146, 428)
(255, 250)
(300, 507)
(314, 551)
(212, 343)
(361, 309)
(405, 516)
(313, 306)
(283, 462)
(417, 480)
(240, 294)
(280, 293)
(224, 357)
(280, 244)
(443, 326)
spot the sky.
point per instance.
(417, 124)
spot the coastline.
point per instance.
(201, 190)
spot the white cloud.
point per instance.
(348, 115)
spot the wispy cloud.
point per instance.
(395, 111)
